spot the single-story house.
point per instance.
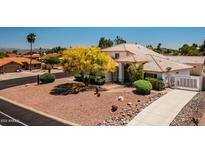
(13, 64)
(10, 55)
(33, 56)
(155, 65)
(8, 66)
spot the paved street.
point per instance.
(163, 111)
(12, 115)
(26, 73)
(10, 112)
(25, 80)
(6, 120)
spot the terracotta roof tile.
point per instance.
(19, 60)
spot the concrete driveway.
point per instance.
(163, 111)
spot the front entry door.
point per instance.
(126, 76)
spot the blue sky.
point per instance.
(65, 37)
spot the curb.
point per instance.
(39, 112)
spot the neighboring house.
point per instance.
(33, 56)
(13, 64)
(173, 73)
(10, 55)
(8, 66)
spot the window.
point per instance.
(117, 55)
(34, 65)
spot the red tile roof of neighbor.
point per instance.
(4, 61)
(18, 60)
(10, 55)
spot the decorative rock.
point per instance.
(109, 121)
(124, 122)
(26, 85)
(138, 100)
(114, 108)
(120, 98)
(129, 103)
(129, 114)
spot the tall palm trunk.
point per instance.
(31, 58)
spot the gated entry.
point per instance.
(189, 82)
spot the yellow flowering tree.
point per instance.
(90, 60)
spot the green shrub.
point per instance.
(143, 86)
(135, 72)
(99, 81)
(47, 78)
(78, 77)
(86, 78)
(90, 79)
(157, 84)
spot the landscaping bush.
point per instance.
(135, 72)
(157, 84)
(78, 77)
(99, 80)
(143, 87)
(86, 78)
(47, 78)
(90, 79)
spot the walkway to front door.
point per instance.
(163, 111)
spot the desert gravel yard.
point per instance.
(83, 108)
(192, 113)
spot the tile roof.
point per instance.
(188, 59)
(159, 64)
(133, 59)
(18, 60)
(4, 61)
(10, 54)
(33, 56)
(154, 62)
(133, 48)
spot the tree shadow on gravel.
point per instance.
(72, 88)
(69, 88)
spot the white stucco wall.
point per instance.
(121, 73)
(174, 73)
(180, 73)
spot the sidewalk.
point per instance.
(163, 111)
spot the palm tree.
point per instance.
(31, 39)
